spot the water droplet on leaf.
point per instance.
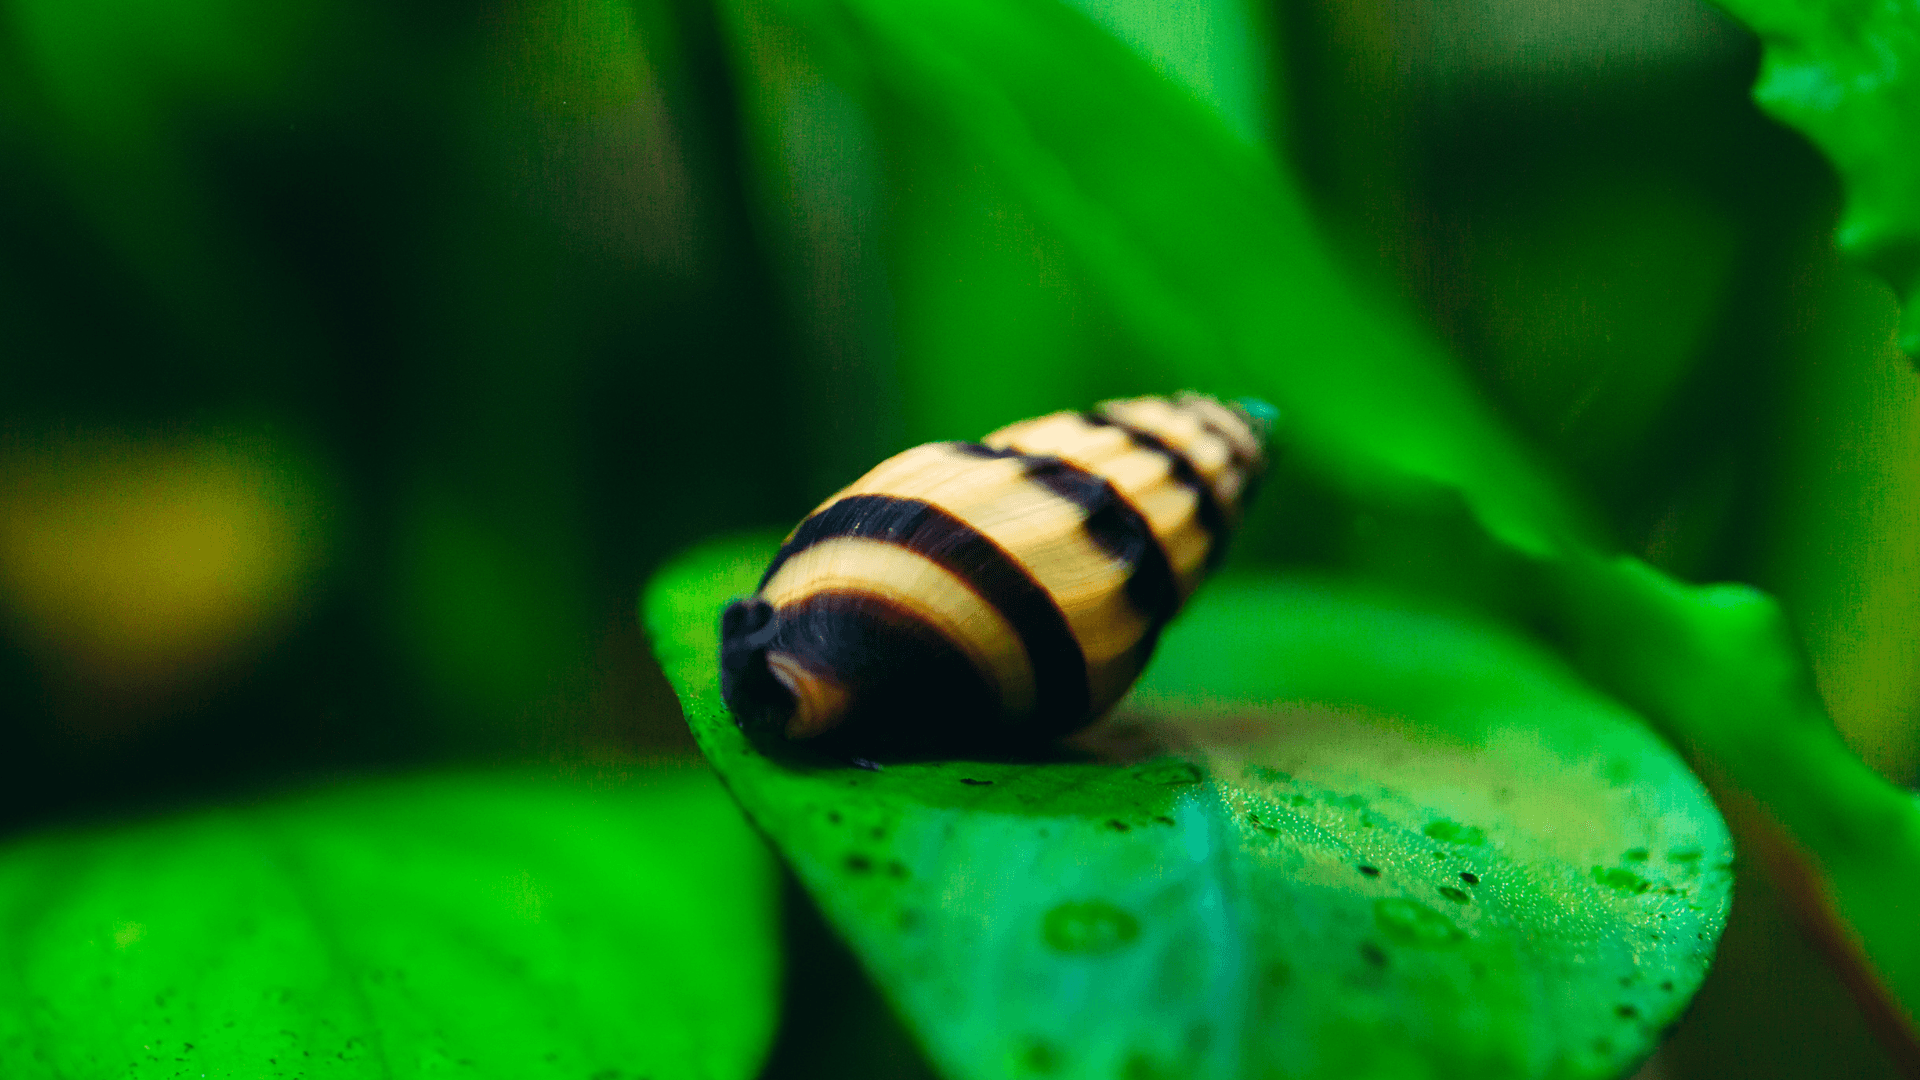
(1411, 922)
(1089, 927)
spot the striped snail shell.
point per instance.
(980, 597)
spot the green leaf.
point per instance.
(1403, 842)
(1847, 74)
(1846, 515)
(487, 926)
(1199, 242)
(1721, 672)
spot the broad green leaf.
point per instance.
(1847, 74)
(1401, 843)
(486, 926)
(1200, 244)
(1721, 672)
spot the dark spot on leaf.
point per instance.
(1667, 985)
(833, 816)
(1277, 974)
(1452, 832)
(1638, 854)
(1370, 871)
(1458, 896)
(878, 832)
(859, 864)
(1117, 825)
(188, 1048)
(1373, 954)
(1469, 877)
(1088, 927)
(1685, 855)
(1626, 1012)
(1163, 819)
(1411, 922)
(896, 868)
(1621, 881)
(975, 783)
(909, 921)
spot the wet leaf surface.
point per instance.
(485, 926)
(1376, 840)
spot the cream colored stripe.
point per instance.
(922, 588)
(1144, 478)
(1180, 429)
(1226, 421)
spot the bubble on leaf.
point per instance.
(1411, 922)
(1089, 928)
(1624, 881)
(1451, 832)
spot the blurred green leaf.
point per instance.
(1598, 297)
(1200, 243)
(502, 926)
(1846, 517)
(1847, 74)
(1401, 842)
(120, 99)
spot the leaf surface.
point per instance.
(484, 926)
(1397, 842)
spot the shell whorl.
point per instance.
(967, 595)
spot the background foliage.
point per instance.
(357, 363)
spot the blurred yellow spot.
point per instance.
(137, 567)
(127, 933)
